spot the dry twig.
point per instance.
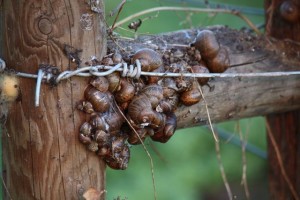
(188, 9)
(280, 162)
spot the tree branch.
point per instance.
(233, 98)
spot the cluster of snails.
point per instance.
(125, 111)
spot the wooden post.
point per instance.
(43, 158)
(283, 22)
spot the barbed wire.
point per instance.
(131, 70)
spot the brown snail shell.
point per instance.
(164, 106)
(289, 11)
(206, 42)
(184, 83)
(126, 92)
(93, 146)
(114, 81)
(142, 132)
(100, 83)
(192, 96)
(163, 135)
(85, 106)
(98, 122)
(114, 119)
(119, 160)
(137, 106)
(154, 92)
(99, 100)
(150, 60)
(220, 63)
(101, 137)
(200, 69)
(155, 79)
(86, 129)
(104, 151)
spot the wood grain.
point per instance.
(284, 127)
(43, 158)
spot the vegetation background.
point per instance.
(186, 167)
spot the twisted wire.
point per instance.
(133, 71)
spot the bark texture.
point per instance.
(285, 127)
(233, 98)
(43, 158)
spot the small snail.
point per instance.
(192, 96)
(220, 63)
(85, 106)
(114, 81)
(150, 60)
(99, 100)
(206, 42)
(98, 123)
(289, 11)
(166, 133)
(126, 92)
(100, 83)
(200, 69)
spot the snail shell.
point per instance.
(99, 100)
(142, 132)
(200, 69)
(163, 135)
(114, 120)
(289, 11)
(114, 81)
(85, 129)
(119, 160)
(192, 96)
(98, 122)
(85, 106)
(155, 79)
(93, 146)
(219, 63)
(126, 92)
(154, 93)
(101, 137)
(206, 42)
(150, 60)
(100, 83)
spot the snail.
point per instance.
(114, 81)
(215, 56)
(168, 130)
(220, 63)
(206, 42)
(98, 122)
(100, 83)
(192, 96)
(150, 60)
(201, 68)
(99, 100)
(85, 106)
(126, 91)
(289, 11)
(120, 159)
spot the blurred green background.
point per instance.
(186, 167)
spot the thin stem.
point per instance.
(280, 162)
(188, 9)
